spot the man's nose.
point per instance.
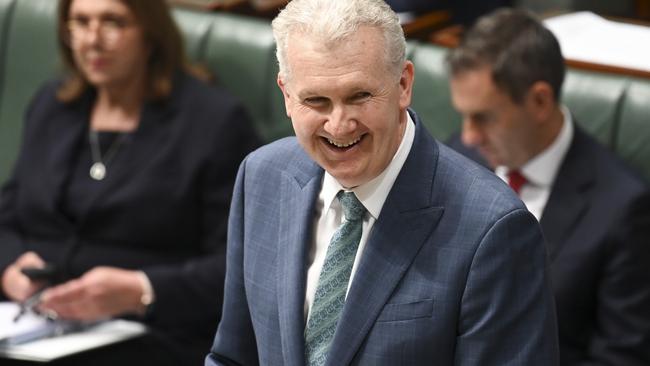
(471, 134)
(340, 122)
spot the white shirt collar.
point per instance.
(373, 194)
(542, 168)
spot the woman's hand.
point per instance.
(15, 284)
(100, 293)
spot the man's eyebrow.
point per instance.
(307, 94)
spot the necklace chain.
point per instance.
(98, 169)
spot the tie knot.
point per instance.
(516, 180)
(352, 208)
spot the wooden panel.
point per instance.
(208, 5)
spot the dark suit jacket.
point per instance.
(162, 208)
(453, 272)
(599, 260)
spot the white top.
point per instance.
(329, 213)
(541, 170)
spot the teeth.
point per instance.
(343, 144)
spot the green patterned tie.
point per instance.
(333, 281)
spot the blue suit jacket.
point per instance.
(453, 273)
(598, 250)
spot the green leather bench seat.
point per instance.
(239, 51)
(431, 98)
(28, 57)
(632, 140)
(595, 100)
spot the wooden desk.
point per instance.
(643, 9)
(422, 26)
(266, 9)
(450, 37)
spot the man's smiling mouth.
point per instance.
(344, 144)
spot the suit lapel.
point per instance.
(66, 135)
(569, 195)
(406, 221)
(299, 192)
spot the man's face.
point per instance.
(503, 131)
(348, 108)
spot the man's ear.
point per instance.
(540, 100)
(285, 94)
(406, 85)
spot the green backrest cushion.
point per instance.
(33, 59)
(241, 53)
(6, 7)
(431, 96)
(195, 27)
(594, 100)
(633, 138)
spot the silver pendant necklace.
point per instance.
(98, 169)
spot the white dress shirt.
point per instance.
(329, 213)
(541, 170)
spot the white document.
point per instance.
(9, 328)
(48, 349)
(585, 36)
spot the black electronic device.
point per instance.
(48, 273)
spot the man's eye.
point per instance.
(480, 118)
(360, 97)
(315, 101)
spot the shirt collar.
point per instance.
(373, 194)
(542, 168)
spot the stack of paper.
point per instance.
(585, 36)
(50, 348)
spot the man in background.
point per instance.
(506, 78)
(364, 241)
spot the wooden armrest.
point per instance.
(268, 5)
(448, 37)
(426, 23)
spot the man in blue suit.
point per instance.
(506, 78)
(363, 241)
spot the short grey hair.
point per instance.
(333, 21)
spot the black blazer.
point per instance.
(162, 208)
(599, 256)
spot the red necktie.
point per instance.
(516, 180)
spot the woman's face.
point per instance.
(107, 43)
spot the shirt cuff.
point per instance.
(147, 298)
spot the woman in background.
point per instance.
(123, 184)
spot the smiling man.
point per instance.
(364, 241)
